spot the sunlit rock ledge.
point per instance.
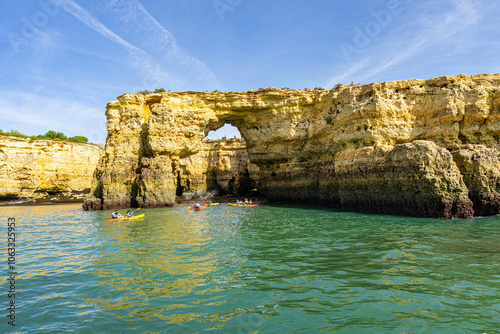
(425, 148)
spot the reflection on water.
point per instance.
(271, 269)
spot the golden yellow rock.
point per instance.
(418, 177)
(46, 169)
(221, 167)
(480, 167)
(300, 142)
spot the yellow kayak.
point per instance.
(125, 218)
(211, 204)
(231, 204)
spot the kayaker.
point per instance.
(209, 201)
(129, 214)
(196, 205)
(116, 215)
(250, 201)
(245, 202)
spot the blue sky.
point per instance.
(62, 60)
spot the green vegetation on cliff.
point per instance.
(49, 135)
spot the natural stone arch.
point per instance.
(337, 147)
(221, 167)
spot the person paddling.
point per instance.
(129, 214)
(197, 205)
(116, 215)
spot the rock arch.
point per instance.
(403, 147)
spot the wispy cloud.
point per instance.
(140, 59)
(87, 18)
(429, 32)
(167, 40)
(154, 35)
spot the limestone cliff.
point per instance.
(414, 147)
(46, 170)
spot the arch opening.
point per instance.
(227, 131)
(220, 168)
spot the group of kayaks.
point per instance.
(204, 205)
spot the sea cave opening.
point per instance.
(220, 169)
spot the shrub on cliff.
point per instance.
(51, 134)
(13, 133)
(78, 139)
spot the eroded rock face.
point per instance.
(346, 147)
(480, 167)
(46, 170)
(220, 167)
(412, 179)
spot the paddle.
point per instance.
(134, 211)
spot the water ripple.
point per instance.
(271, 269)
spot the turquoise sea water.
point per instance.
(271, 269)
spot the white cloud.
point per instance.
(87, 18)
(167, 40)
(154, 36)
(134, 14)
(429, 31)
(140, 59)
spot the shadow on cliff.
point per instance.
(138, 186)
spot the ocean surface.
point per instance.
(270, 269)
